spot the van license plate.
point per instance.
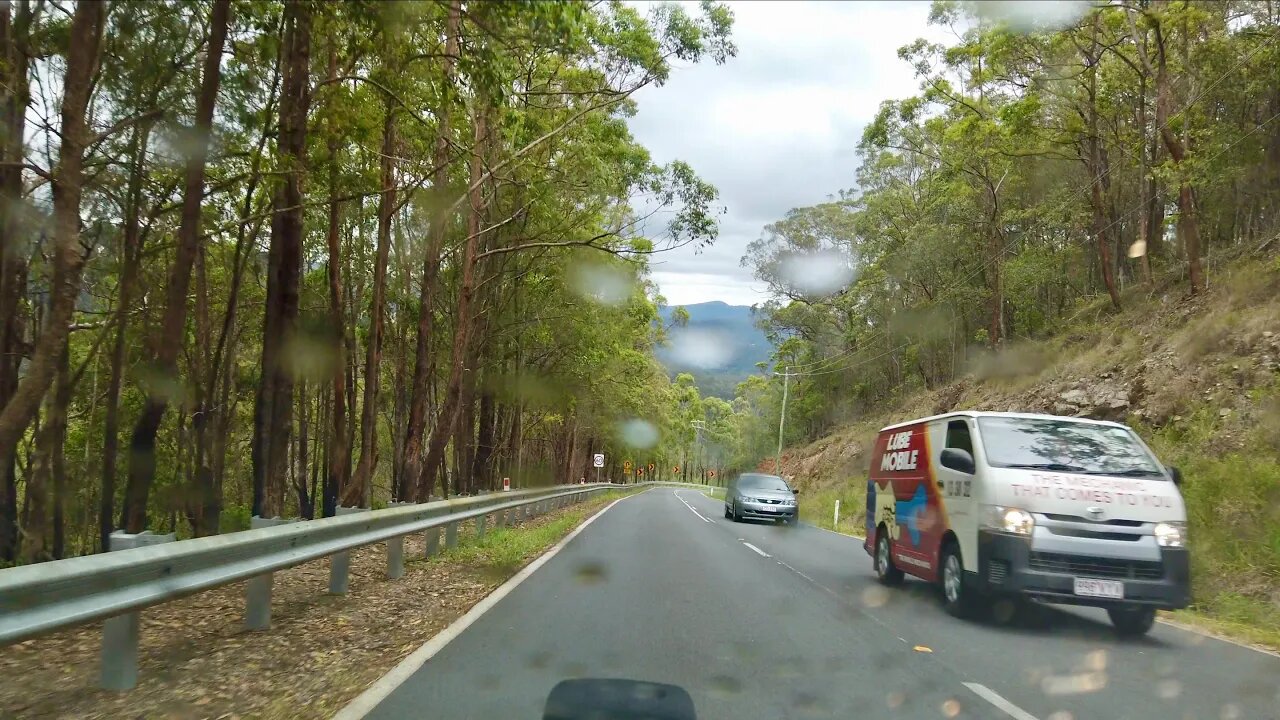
(1089, 587)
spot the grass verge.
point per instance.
(715, 493)
(503, 551)
(818, 508)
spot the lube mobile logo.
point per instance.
(898, 457)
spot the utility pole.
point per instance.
(782, 419)
(699, 426)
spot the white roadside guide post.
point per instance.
(835, 521)
(120, 633)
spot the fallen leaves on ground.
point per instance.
(196, 660)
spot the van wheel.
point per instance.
(1132, 622)
(886, 571)
(957, 592)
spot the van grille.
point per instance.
(1096, 567)
(1077, 518)
(1095, 534)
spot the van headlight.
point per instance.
(1009, 519)
(1171, 534)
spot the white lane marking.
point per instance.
(366, 701)
(994, 698)
(806, 577)
(695, 510)
(759, 552)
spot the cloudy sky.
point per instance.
(777, 126)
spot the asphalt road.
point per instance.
(763, 621)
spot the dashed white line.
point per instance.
(757, 550)
(686, 504)
(995, 698)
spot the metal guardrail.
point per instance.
(41, 598)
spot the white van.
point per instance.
(1054, 509)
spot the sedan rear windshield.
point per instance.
(1065, 446)
(762, 482)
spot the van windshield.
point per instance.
(1065, 446)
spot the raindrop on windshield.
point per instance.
(700, 348)
(1168, 689)
(817, 273)
(638, 433)
(601, 283)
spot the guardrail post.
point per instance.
(340, 562)
(480, 526)
(120, 633)
(395, 551)
(500, 519)
(432, 542)
(257, 592)
(451, 535)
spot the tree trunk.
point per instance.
(306, 502)
(273, 408)
(417, 476)
(363, 482)
(339, 451)
(447, 418)
(1188, 226)
(43, 517)
(67, 255)
(168, 338)
(202, 505)
(63, 387)
(482, 470)
(15, 81)
(1099, 172)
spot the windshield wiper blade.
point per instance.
(1131, 472)
(1059, 467)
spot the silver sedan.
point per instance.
(757, 496)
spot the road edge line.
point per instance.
(1212, 635)
(381, 689)
(833, 532)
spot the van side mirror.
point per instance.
(1176, 474)
(958, 460)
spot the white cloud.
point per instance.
(777, 126)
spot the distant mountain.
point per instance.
(720, 346)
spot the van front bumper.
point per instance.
(1007, 564)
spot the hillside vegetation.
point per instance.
(1198, 377)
